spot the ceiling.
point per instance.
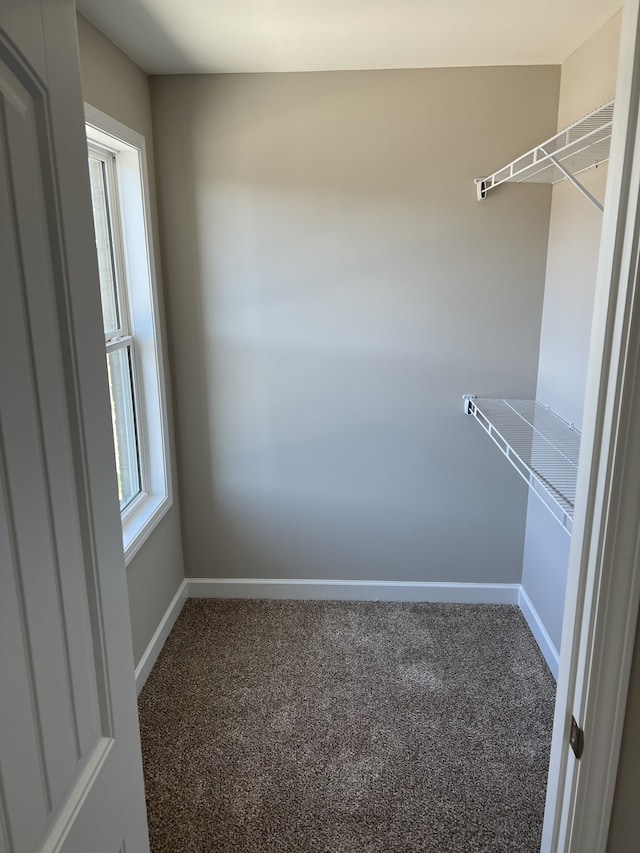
(207, 36)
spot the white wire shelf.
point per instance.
(584, 145)
(542, 448)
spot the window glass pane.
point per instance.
(125, 433)
(104, 244)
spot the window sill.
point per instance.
(140, 523)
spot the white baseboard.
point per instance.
(163, 630)
(341, 590)
(538, 630)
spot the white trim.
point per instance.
(542, 638)
(158, 640)
(142, 305)
(142, 521)
(603, 584)
(346, 590)
(111, 133)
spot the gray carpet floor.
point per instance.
(346, 727)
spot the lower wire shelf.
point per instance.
(542, 448)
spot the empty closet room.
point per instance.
(330, 286)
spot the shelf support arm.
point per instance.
(576, 183)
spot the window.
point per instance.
(118, 339)
(119, 194)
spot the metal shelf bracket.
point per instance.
(467, 400)
(584, 145)
(576, 183)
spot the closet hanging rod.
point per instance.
(583, 145)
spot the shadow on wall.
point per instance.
(334, 289)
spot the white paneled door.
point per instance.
(70, 768)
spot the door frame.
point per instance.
(603, 585)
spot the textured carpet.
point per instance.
(346, 727)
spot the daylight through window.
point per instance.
(118, 339)
(119, 195)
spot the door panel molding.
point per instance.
(70, 763)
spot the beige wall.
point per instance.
(334, 288)
(588, 80)
(113, 84)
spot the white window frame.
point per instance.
(121, 337)
(138, 293)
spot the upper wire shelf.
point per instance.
(583, 145)
(542, 448)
